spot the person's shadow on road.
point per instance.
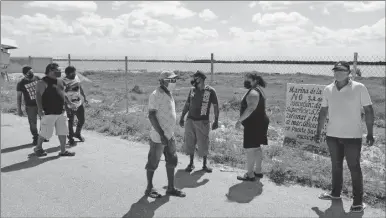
(184, 179)
(33, 161)
(145, 209)
(244, 192)
(336, 210)
(20, 147)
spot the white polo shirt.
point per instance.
(166, 113)
(344, 109)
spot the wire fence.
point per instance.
(364, 66)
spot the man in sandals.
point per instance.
(342, 102)
(197, 125)
(162, 115)
(50, 101)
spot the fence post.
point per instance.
(30, 61)
(354, 73)
(211, 68)
(127, 98)
(69, 60)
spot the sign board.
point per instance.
(303, 103)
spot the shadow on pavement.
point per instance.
(244, 192)
(145, 209)
(32, 162)
(12, 149)
(184, 179)
(336, 210)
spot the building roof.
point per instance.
(8, 43)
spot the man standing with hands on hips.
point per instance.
(342, 102)
(197, 126)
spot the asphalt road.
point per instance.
(106, 178)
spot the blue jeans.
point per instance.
(32, 113)
(351, 149)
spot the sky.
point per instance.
(234, 30)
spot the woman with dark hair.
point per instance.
(255, 122)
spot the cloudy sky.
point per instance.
(229, 29)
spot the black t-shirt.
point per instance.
(28, 88)
(200, 102)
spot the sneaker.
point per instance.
(35, 142)
(71, 142)
(80, 137)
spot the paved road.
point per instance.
(107, 179)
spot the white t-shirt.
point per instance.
(344, 109)
(72, 91)
(166, 113)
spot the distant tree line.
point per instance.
(234, 62)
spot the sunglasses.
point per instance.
(171, 80)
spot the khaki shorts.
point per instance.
(197, 133)
(49, 122)
(156, 151)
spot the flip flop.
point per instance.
(153, 193)
(189, 168)
(246, 178)
(66, 154)
(40, 153)
(327, 196)
(176, 192)
(358, 208)
(259, 175)
(207, 169)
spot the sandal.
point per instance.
(152, 193)
(357, 208)
(259, 175)
(189, 168)
(40, 152)
(66, 154)
(207, 169)
(246, 178)
(327, 196)
(176, 192)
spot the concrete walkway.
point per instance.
(106, 178)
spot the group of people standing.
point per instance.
(56, 101)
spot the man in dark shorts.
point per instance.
(197, 125)
(74, 106)
(50, 99)
(162, 116)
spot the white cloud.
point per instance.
(325, 11)
(252, 4)
(224, 21)
(278, 5)
(89, 6)
(196, 33)
(312, 7)
(159, 9)
(361, 6)
(117, 4)
(280, 18)
(207, 15)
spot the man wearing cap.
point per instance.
(197, 125)
(27, 88)
(342, 102)
(162, 115)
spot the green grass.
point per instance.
(284, 163)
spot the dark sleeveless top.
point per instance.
(52, 101)
(256, 125)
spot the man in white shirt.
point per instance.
(342, 102)
(162, 115)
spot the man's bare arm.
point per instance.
(252, 101)
(82, 93)
(154, 122)
(369, 118)
(321, 119)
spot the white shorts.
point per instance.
(48, 123)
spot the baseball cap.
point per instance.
(342, 65)
(166, 74)
(199, 74)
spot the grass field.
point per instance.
(305, 164)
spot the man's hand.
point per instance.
(40, 113)
(370, 140)
(20, 112)
(182, 122)
(238, 124)
(317, 138)
(85, 101)
(215, 125)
